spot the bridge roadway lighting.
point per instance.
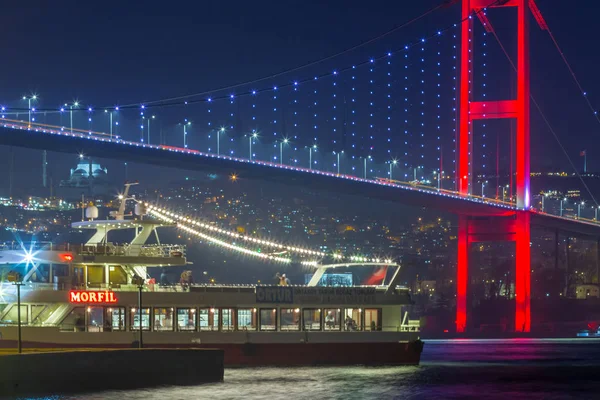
(111, 120)
(185, 124)
(222, 130)
(365, 166)
(251, 137)
(284, 141)
(76, 105)
(338, 161)
(29, 99)
(310, 150)
(543, 197)
(392, 164)
(579, 209)
(149, 118)
(561, 206)
(482, 188)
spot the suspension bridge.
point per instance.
(413, 125)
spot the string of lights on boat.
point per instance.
(191, 226)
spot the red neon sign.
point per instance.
(84, 296)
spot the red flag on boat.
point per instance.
(377, 277)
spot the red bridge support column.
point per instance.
(523, 273)
(515, 228)
(462, 275)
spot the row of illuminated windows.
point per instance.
(168, 319)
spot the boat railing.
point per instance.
(34, 246)
(131, 250)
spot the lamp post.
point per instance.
(29, 99)
(365, 167)
(310, 149)
(483, 188)
(561, 206)
(544, 201)
(140, 290)
(338, 161)
(284, 141)
(252, 137)
(222, 130)
(15, 278)
(392, 164)
(185, 124)
(149, 118)
(579, 209)
(76, 105)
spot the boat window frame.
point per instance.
(154, 328)
(320, 310)
(132, 328)
(253, 316)
(260, 322)
(295, 310)
(194, 311)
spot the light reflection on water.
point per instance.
(515, 369)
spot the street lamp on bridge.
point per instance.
(561, 206)
(310, 150)
(29, 99)
(284, 141)
(149, 118)
(392, 165)
(185, 124)
(338, 160)
(579, 205)
(251, 138)
(222, 130)
(76, 105)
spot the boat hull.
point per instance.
(242, 348)
(279, 354)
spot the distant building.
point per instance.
(89, 178)
(587, 291)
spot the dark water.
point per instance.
(460, 369)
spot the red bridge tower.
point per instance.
(516, 227)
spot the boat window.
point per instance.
(95, 275)
(11, 315)
(115, 319)
(373, 319)
(95, 319)
(290, 319)
(135, 319)
(332, 319)
(246, 319)
(163, 319)
(186, 319)
(268, 319)
(227, 319)
(312, 319)
(75, 321)
(36, 310)
(353, 319)
(209, 319)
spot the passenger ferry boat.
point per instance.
(96, 294)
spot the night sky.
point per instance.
(133, 52)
